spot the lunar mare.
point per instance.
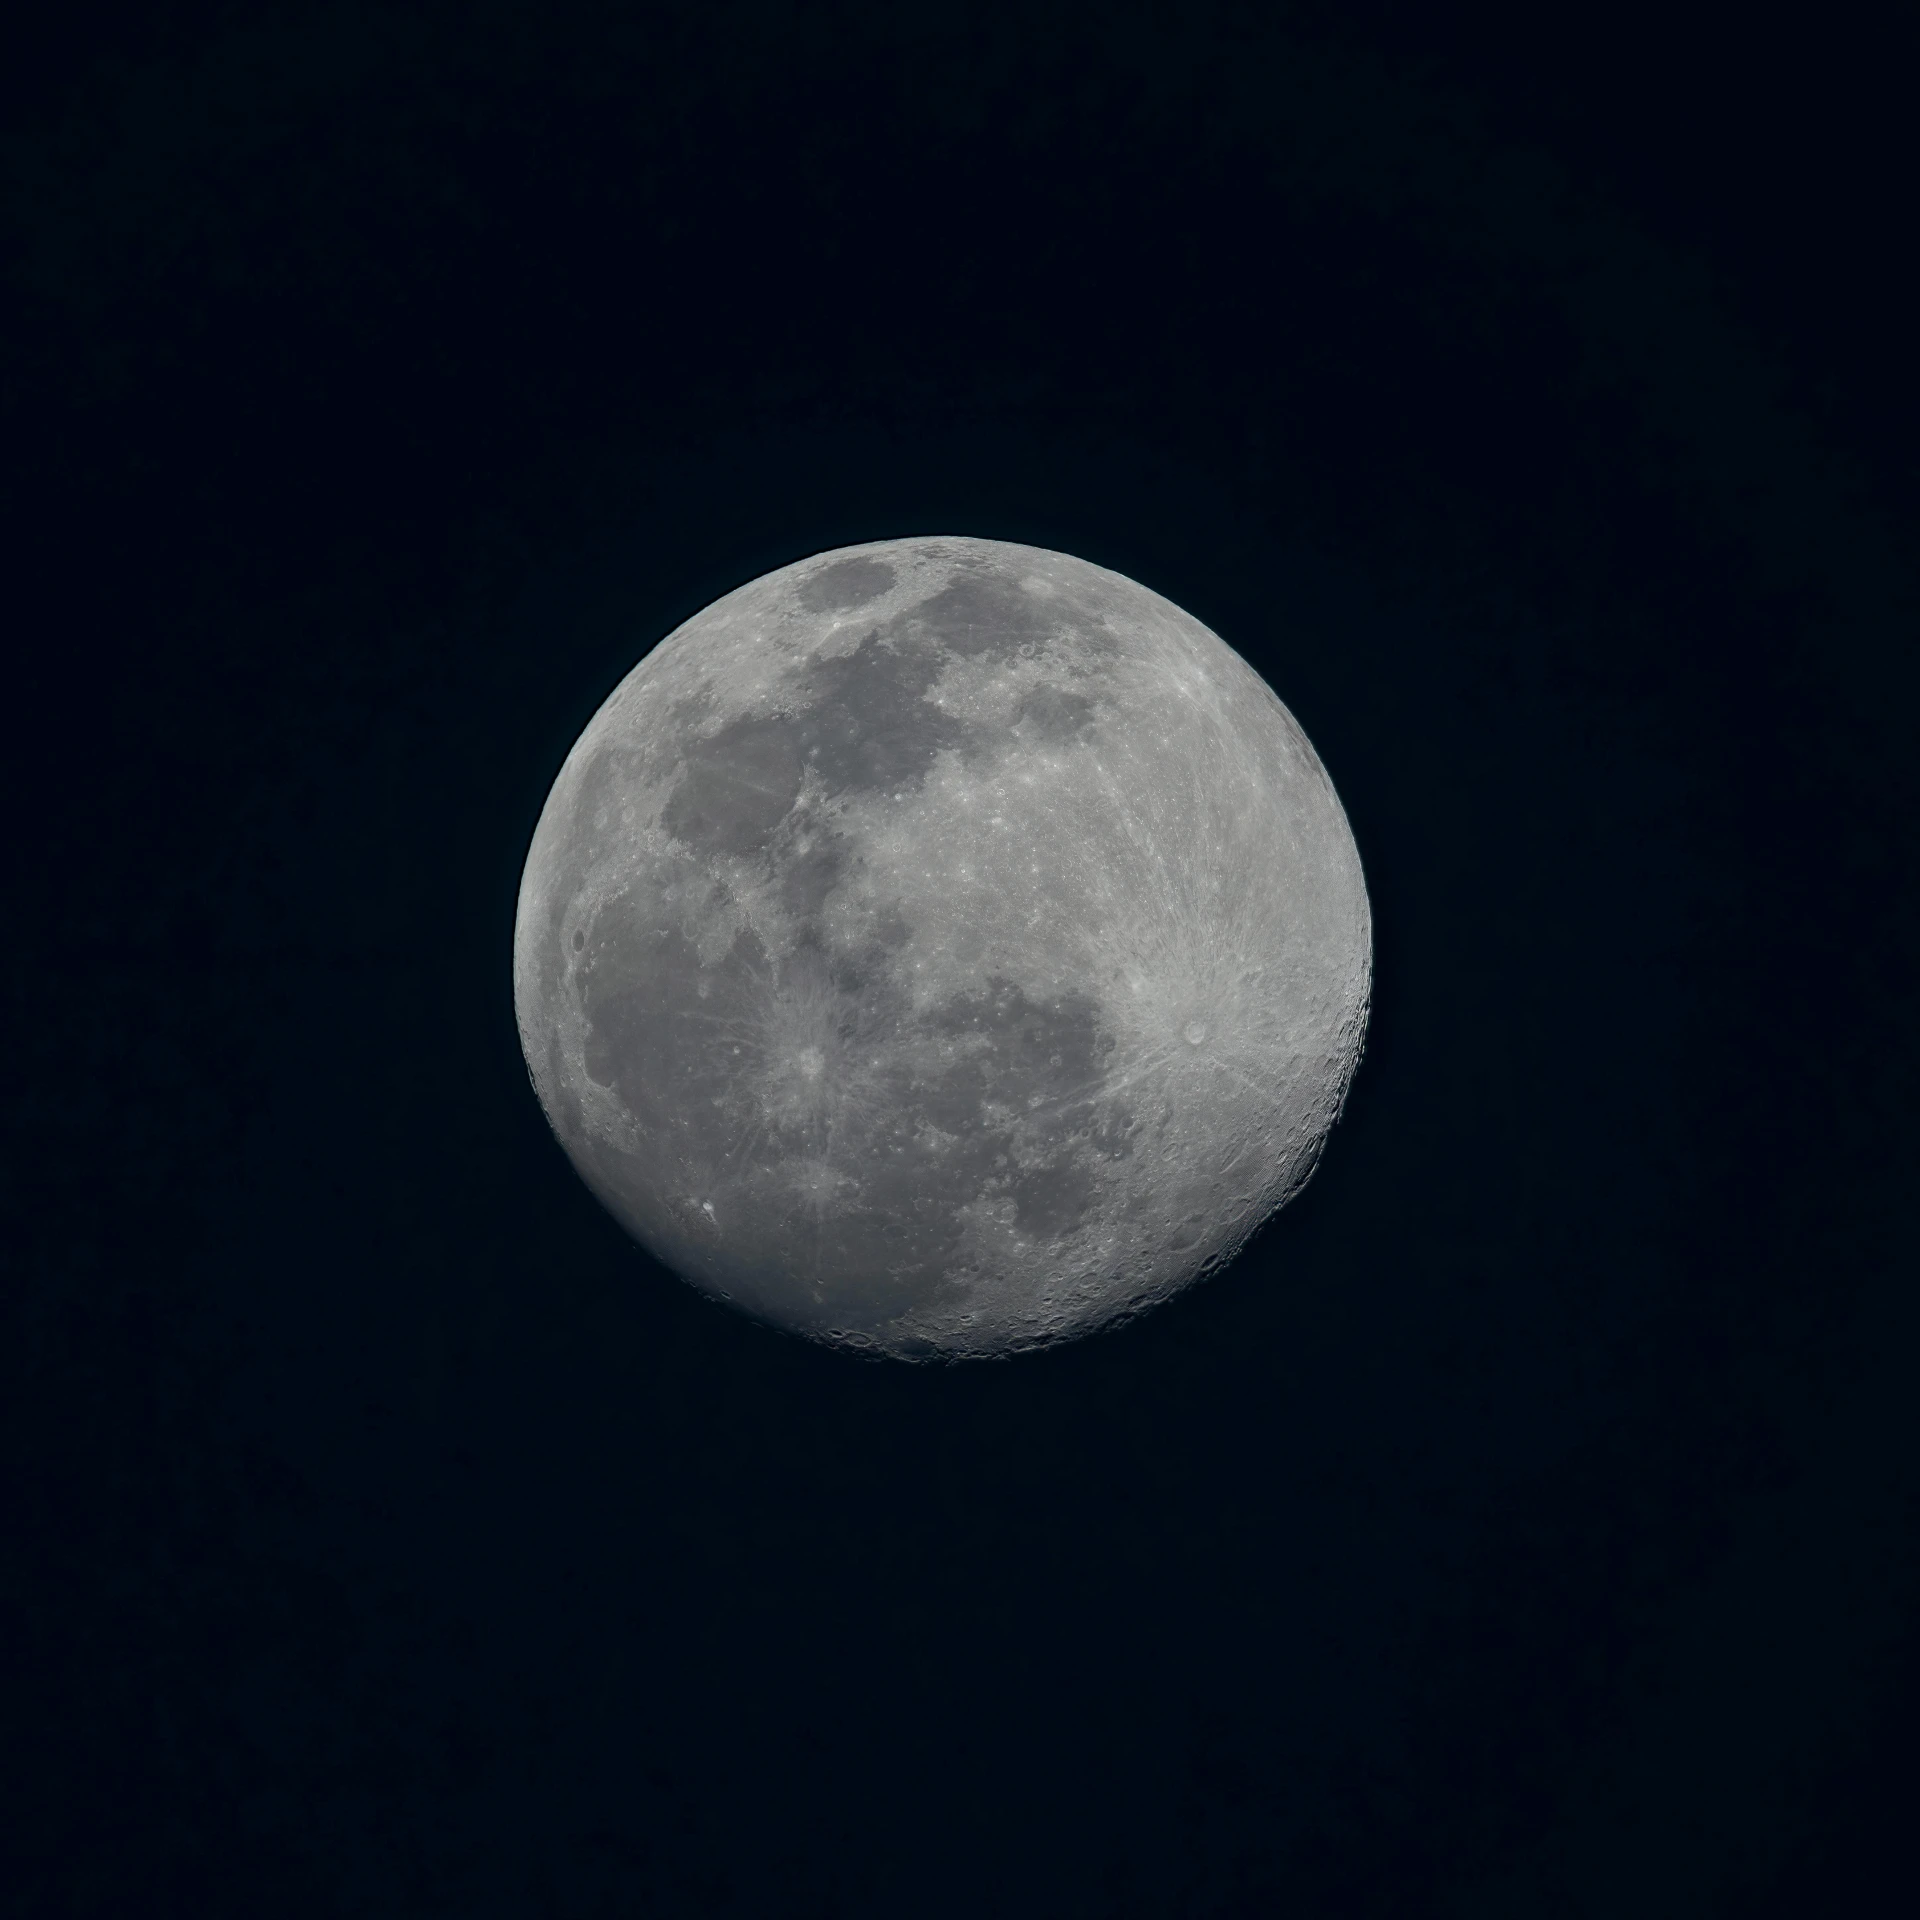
(942, 947)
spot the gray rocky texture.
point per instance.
(942, 947)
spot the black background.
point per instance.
(1525, 1526)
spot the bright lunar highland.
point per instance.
(942, 948)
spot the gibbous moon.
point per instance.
(942, 948)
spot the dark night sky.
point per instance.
(1525, 1526)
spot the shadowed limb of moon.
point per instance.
(942, 947)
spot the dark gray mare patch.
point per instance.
(983, 614)
(822, 1216)
(1039, 1059)
(1051, 1201)
(868, 724)
(846, 1211)
(1054, 713)
(845, 585)
(737, 787)
(865, 725)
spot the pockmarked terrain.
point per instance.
(942, 947)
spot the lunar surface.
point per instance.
(942, 948)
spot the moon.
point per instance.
(942, 948)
